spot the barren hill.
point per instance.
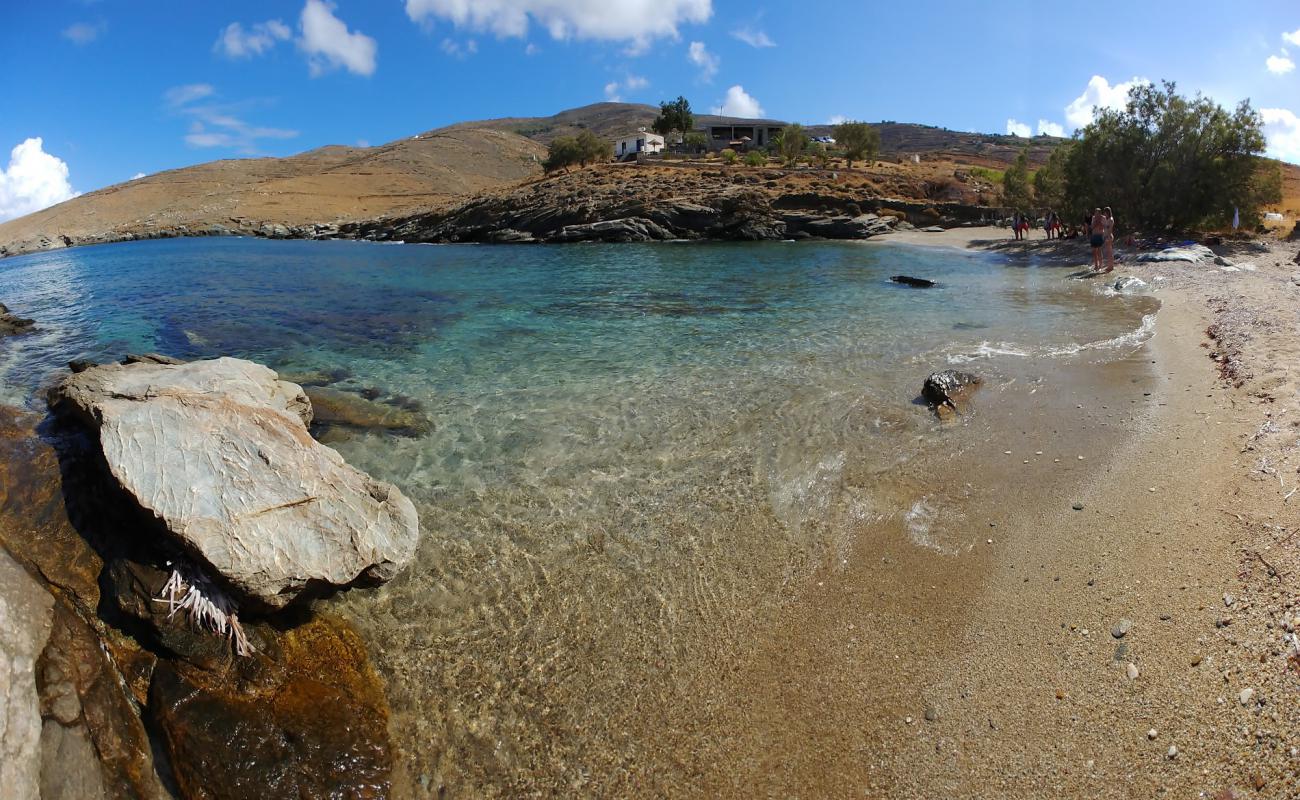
(321, 187)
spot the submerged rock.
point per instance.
(946, 389)
(218, 452)
(1128, 283)
(11, 324)
(307, 719)
(336, 407)
(907, 280)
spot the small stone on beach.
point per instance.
(1131, 671)
(1172, 752)
(1152, 734)
(1246, 696)
(1077, 506)
(1121, 628)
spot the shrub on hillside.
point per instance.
(755, 159)
(729, 156)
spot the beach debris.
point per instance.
(944, 390)
(908, 280)
(206, 606)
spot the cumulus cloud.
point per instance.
(235, 42)
(700, 56)
(635, 21)
(739, 103)
(33, 180)
(1050, 128)
(614, 89)
(329, 44)
(1016, 128)
(1282, 132)
(84, 32)
(1079, 113)
(217, 125)
(1280, 65)
(455, 49)
(838, 119)
(1293, 37)
(753, 38)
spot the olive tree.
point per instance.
(860, 141)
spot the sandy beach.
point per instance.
(1126, 634)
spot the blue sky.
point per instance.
(114, 88)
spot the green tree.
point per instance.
(861, 142)
(790, 143)
(1168, 162)
(728, 156)
(696, 140)
(755, 158)
(591, 148)
(1016, 190)
(1049, 182)
(674, 115)
(562, 154)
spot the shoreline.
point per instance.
(908, 673)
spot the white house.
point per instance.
(639, 142)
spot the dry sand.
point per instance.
(1186, 531)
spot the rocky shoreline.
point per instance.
(175, 521)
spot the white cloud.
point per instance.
(532, 49)
(34, 180)
(700, 56)
(1050, 128)
(137, 176)
(838, 119)
(753, 38)
(235, 42)
(1015, 128)
(182, 95)
(84, 32)
(1293, 37)
(329, 44)
(455, 49)
(1079, 112)
(739, 103)
(213, 125)
(636, 21)
(631, 83)
(1279, 65)
(1282, 132)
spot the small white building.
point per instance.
(639, 142)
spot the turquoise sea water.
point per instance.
(633, 448)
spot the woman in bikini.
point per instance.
(1097, 227)
(1110, 239)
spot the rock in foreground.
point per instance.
(218, 451)
(945, 390)
(11, 324)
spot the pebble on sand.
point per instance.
(1152, 734)
(1131, 670)
(1172, 752)
(1121, 628)
(1246, 696)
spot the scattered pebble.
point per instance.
(1122, 628)
(1080, 458)
(1131, 670)
(1060, 695)
(1228, 600)
(1196, 661)
(931, 714)
(1077, 506)
(1006, 452)
(908, 720)
(1172, 752)
(1152, 734)
(1246, 696)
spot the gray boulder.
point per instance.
(11, 323)
(628, 229)
(219, 453)
(26, 614)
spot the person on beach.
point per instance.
(1015, 224)
(1097, 228)
(1110, 239)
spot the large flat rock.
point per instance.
(218, 451)
(26, 612)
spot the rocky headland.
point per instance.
(163, 532)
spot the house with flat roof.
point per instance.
(738, 133)
(640, 142)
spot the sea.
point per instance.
(634, 454)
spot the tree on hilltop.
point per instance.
(790, 143)
(674, 115)
(861, 142)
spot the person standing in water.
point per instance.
(1110, 239)
(1097, 237)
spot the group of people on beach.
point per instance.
(1098, 226)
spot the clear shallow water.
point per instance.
(637, 450)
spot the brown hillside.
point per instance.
(328, 185)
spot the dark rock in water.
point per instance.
(907, 280)
(305, 718)
(944, 390)
(81, 364)
(316, 377)
(335, 407)
(11, 324)
(152, 358)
